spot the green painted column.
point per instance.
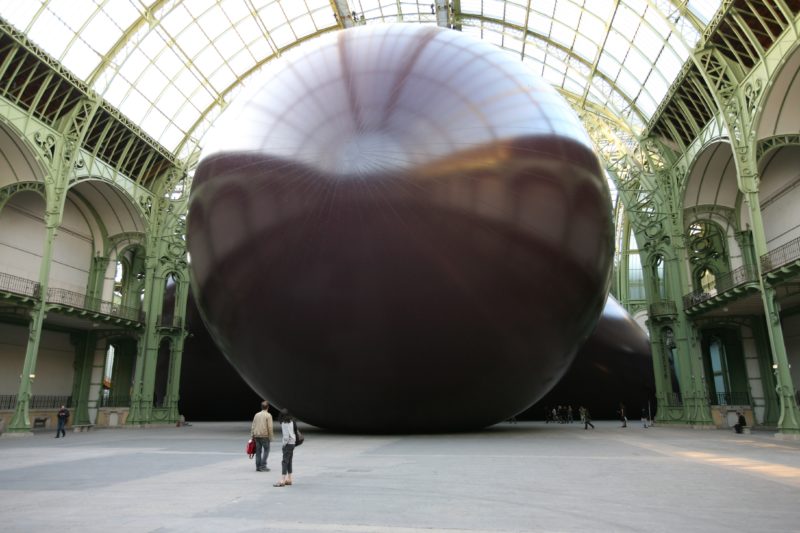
(97, 272)
(173, 387)
(20, 422)
(789, 419)
(84, 360)
(660, 369)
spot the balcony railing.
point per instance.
(730, 398)
(81, 301)
(9, 401)
(18, 285)
(167, 321)
(115, 400)
(781, 255)
(724, 282)
(663, 308)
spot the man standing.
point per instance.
(261, 432)
(63, 415)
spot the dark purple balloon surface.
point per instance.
(614, 365)
(402, 229)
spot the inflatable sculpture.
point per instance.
(400, 229)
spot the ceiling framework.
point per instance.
(743, 31)
(621, 60)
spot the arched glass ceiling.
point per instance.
(171, 65)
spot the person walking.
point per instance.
(63, 416)
(289, 440)
(623, 417)
(587, 418)
(261, 433)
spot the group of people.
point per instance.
(563, 414)
(261, 432)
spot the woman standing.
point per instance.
(289, 440)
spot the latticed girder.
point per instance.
(635, 187)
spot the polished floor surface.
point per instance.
(529, 476)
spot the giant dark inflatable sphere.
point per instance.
(402, 229)
(614, 366)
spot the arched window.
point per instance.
(707, 254)
(168, 303)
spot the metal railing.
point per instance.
(81, 301)
(115, 400)
(781, 255)
(9, 401)
(730, 398)
(18, 285)
(724, 282)
(663, 308)
(167, 321)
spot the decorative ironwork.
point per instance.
(724, 282)
(167, 321)
(730, 398)
(780, 256)
(18, 285)
(81, 301)
(115, 400)
(9, 401)
(663, 309)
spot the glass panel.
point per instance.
(203, 46)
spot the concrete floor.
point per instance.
(529, 476)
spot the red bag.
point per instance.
(251, 448)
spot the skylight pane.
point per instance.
(616, 46)
(592, 28)
(567, 12)
(608, 66)
(627, 83)
(191, 41)
(704, 9)
(626, 22)
(294, 9)
(539, 24)
(493, 9)
(171, 137)
(303, 26)
(323, 18)
(282, 36)
(562, 34)
(81, 59)
(134, 106)
(174, 21)
(585, 48)
(154, 123)
(101, 33)
(51, 34)
(152, 83)
(20, 14)
(515, 14)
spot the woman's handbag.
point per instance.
(251, 448)
(298, 437)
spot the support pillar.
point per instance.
(84, 357)
(789, 418)
(20, 422)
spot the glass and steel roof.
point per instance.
(172, 65)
